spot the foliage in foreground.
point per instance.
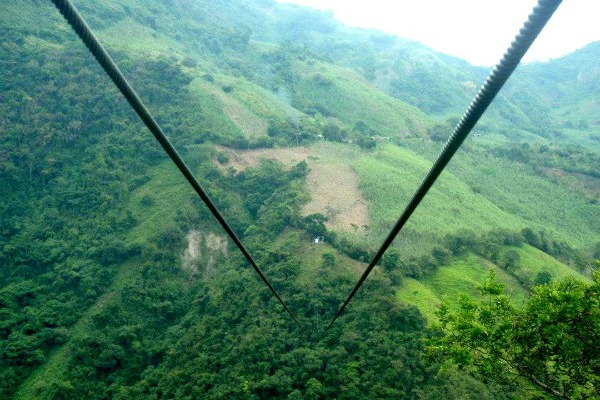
(551, 342)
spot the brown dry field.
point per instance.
(332, 183)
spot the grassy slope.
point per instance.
(348, 97)
(529, 197)
(507, 197)
(543, 204)
(450, 282)
(389, 177)
(533, 261)
(464, 274)
(249, 106)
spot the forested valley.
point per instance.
(116, 282)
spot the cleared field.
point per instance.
(560, 207)
(289, 156)
(331, 182)
(388, 179)
(415, 292)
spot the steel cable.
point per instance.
(536, 21)
(70, 13)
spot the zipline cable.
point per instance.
(536, 21)
(70, 13)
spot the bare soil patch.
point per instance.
(192, 252)
(215, 245)
(242, 159)
(334, 193)
(332, 183)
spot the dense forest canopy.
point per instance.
(116, 282)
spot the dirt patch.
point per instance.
(334, 193)
(242, 159)
(214, 246)
(191, 255)
(333, 185)
(216, 243)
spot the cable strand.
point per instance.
(536, 21)
(76, 21)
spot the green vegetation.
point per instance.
(462, 276)
(551, 341)
(342, 94)
(518, 187)
(388, 179)
(116, 282)
(534, 262)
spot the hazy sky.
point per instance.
(476, 30)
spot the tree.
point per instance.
(314, 389)
(391, 259)
(543, 278)
(441, 255)
(328, 259)
(510, 260)
(315, 224)
(551, 342)
(334, 133)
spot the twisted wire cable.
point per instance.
(536, 21)
(70, 13)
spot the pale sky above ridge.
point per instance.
(478, 31)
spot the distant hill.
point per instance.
(116, 282)
(567, 91)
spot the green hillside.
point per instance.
(464, 275)
(115, 280)
(390, 177)
(568, 91)
(450, 282)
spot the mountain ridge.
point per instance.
(95, 219)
